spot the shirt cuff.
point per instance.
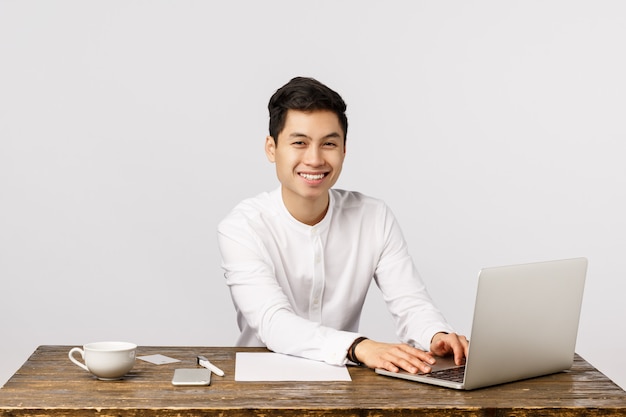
(336, 350)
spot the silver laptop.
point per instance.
(525, 325)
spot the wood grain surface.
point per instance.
(48, 384)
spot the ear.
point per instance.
(270, 149)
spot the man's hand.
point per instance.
(393, 357)
(443, 344)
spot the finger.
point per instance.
(389, 366)
(412, 366)
(460, 348)
(397, 357)
(440, 348)
(413, 360)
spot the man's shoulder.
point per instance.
(348, 199)
(251, 208)
(263, 201)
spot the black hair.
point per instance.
(304, 94)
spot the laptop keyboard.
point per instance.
(451, 374)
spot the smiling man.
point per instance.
(299, 260)
(308, 161)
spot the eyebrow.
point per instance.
(333, 135)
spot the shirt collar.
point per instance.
(319, 227)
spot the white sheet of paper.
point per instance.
(158, 359)
(269, 366)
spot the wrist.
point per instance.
(352, 350)
(436, 336)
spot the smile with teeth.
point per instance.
(312, 177)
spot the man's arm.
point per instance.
(418, 320)
(265, 307)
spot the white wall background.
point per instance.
(128, 129)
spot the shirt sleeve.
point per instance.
(416, 317)
(263, 305)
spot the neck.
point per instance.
(309, 212)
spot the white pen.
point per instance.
(202, 361)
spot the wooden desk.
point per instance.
(49, 384)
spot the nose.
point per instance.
(313, 156)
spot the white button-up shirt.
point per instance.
(300, 289)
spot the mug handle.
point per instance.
(73, 359)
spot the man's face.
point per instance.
(308, 156)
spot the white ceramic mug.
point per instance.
(106, 360)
